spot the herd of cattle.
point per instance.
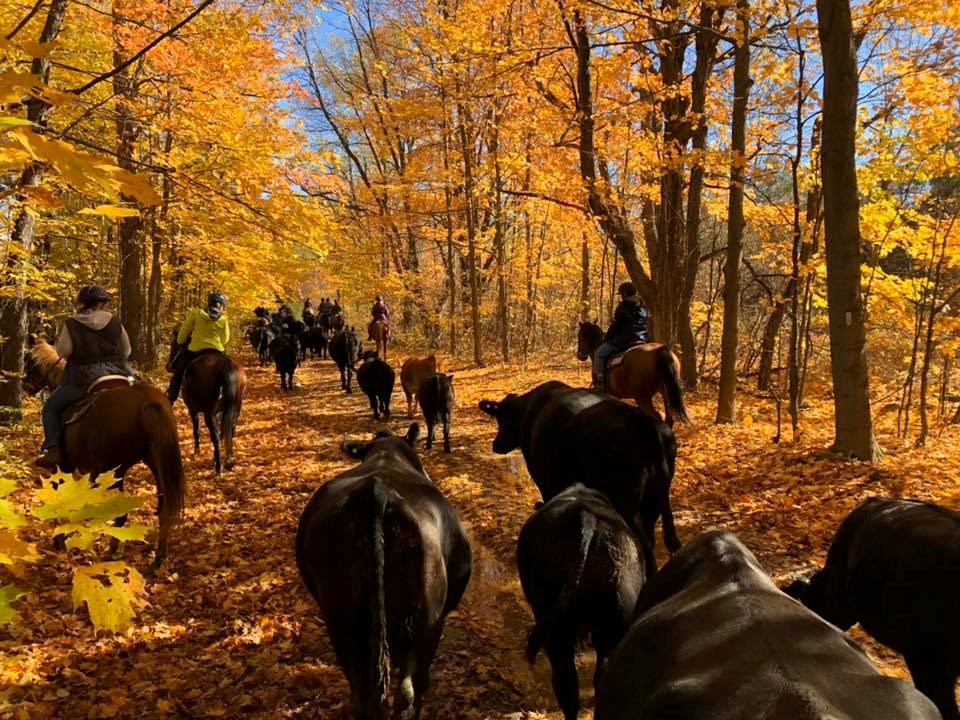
(708, 636)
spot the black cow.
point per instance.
(386, 558)
(580, 567)
(437, 399)
(345, 348)
(314, 341)
(894, 567)
(569, 435)
(375, 377)
(715, 639)
(285, 351)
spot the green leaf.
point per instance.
(7, 486)
(8, 595)
(113, 591)
(7, 122)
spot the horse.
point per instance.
(213, 384)
(345, 348)
(645, 370)
(120, 427)
(380, 333)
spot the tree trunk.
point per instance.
(584, 280)
(853, 424)
(14, 311)
(727, 402)
(130, 240)
(466, 149)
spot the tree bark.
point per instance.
(727, 402)
(584, 279)
(466, 149)
(14, 311)
(853, 423)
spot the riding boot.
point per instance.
(173, 391)
(50, 459)
(599, 384)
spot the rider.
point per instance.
(325, 306)
(94, 343)
(206, 329)
(308, 306)
(380, 311)
(629, 326)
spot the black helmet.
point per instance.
(216, 298)
(93, 294)
(627, 289)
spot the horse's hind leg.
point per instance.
(195, 419)
(214, 439)
(645, 403)
(670, 538)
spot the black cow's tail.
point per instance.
(672, 390)
(379, 649)
(560, 610)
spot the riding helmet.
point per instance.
(93, 294)
(627, 289)
(216, 298)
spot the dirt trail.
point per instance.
(231, 632)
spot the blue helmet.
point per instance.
(216, 298)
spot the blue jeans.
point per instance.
(600, 357)
(60, 399)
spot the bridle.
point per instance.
(46, 373)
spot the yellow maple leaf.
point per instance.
(113, 591)
(111, 211)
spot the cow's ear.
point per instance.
(355, 450)
(413, 432)
(490, 407)
(450, 378)
(31, 340)
(597, 321)
(797, 589)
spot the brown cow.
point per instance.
(413, 372)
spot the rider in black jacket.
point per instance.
(629, 326)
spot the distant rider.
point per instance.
(94, 343)
(629, 327)
(379, 311)
(206, 329)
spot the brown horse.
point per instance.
(413, 372)
(380, 333)
(119, 428)
(646, 370)
(213, 385)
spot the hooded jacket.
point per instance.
(203, 332)
(94, 343)
(629, 324)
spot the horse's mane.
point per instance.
(45, 355)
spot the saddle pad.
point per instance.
(107, 382)
(619, 357)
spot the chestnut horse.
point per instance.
(213, 385)
(121, 427)
(413, 372)
(380, 334)
(646, 370)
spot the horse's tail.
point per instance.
(379, 649)
(547, 625)
(672, 390)
(231, 398)
(164, 449)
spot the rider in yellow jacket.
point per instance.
(203, 330)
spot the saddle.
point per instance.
(108, 382)
(618, 359)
